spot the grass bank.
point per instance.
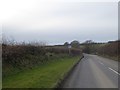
(115, 58)
(44, 76)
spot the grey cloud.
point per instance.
(65, 22)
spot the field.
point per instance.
(44, 76)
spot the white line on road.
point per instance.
(101, 63)
(114, 71)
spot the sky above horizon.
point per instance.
(58, 22)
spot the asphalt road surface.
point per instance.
(94, 72)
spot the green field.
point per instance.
(44, 76)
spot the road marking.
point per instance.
(101, 63)
(114, 71)
(110, 69)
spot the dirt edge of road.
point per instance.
(61, 81)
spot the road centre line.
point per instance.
(101, 63)
(110, 69)
(114, 71)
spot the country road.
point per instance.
(93, 72)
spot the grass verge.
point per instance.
(43, 76)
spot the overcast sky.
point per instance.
(57, 22)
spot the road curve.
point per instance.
(93, 72)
